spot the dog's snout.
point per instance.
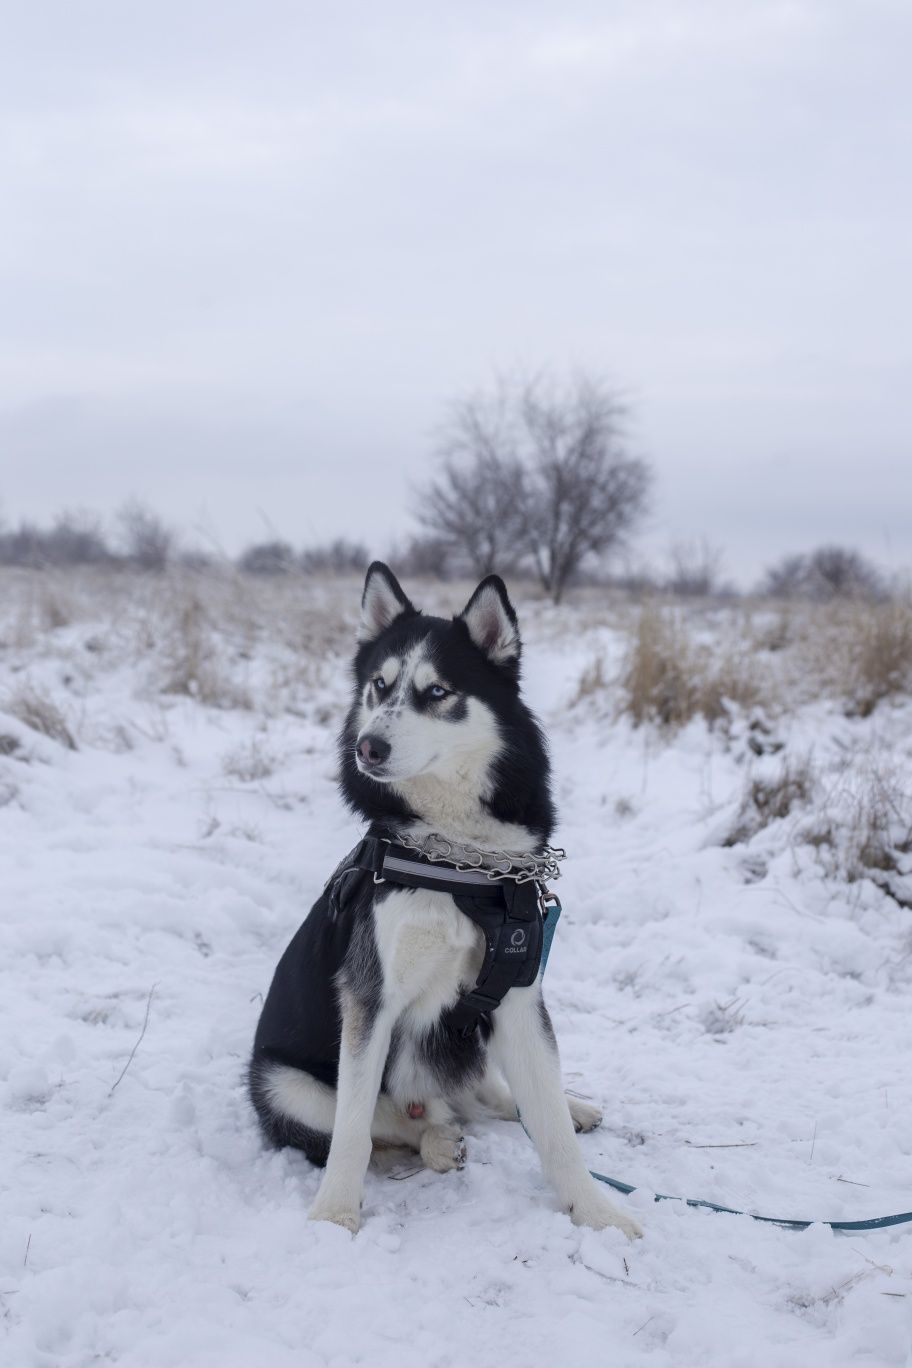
(373, 750)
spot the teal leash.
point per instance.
(552, 911)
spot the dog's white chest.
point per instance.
(428, 950)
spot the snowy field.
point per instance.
(731, 982)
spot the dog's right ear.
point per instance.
(381, 603)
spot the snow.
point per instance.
(741, 1013)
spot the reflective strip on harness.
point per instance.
(394, 864)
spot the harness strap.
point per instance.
(513, 951)
(510, 916)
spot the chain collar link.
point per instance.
(527, 867)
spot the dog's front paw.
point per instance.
(443, 1148)
(585, 1117)
(349, 1218)
(594, 1210)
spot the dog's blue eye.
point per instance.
(379, 684)
(438, 691)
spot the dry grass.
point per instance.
(53, 608)
(233, 641)
(41, 713)
(591, 681)
(863, 829)
(668, 678)
(860, 826)
(880, 653)
(192, 663)
(777, 631)
(857, 653)
(249, 762)
(771, 798)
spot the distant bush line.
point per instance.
(139, 539)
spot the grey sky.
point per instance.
(248, 251)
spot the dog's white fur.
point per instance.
(427, 950)
(427, 947)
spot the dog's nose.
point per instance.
(373, 750)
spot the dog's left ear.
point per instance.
(382, 602)
(492, 624)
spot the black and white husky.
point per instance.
(354, 1044)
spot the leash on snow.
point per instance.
(875, 1223)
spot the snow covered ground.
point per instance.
(728, 983)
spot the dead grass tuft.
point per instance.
(880, 653)
(771, 798)
(53, 609)
(864, 830)
(193, 666)
(776, 632)
(249, 762)
(591, 681)
(38, 711)
(669, 679)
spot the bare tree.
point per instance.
(538, 475)
(472, 506)
(584, 492)
(147, 542)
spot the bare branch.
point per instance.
(536, 475)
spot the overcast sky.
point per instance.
(249, 251)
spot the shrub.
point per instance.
(339, 557)
(74, 539)
(148, 544)
(830, 572)
(425, 558)
(267, 558)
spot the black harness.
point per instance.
(511, 913)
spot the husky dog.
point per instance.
(356, 1043)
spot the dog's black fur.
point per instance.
(301, 1021)
(358, 1041)
(522, 773)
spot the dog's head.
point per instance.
(437, 707)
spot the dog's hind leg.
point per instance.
(434, 1135)
(584, 1115)
(495, 1096)
(294, 1108)
(297, 1109)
